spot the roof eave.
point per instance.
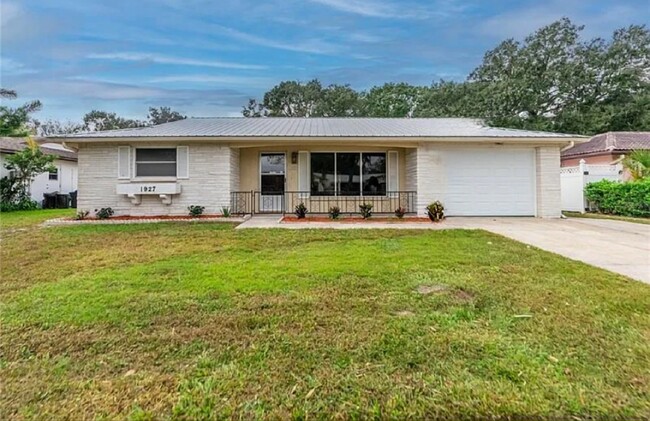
(333, 139)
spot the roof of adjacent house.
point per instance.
(15, 144)
(611, 142)
(320, 127)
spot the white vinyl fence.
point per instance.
(574, 179)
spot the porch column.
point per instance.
(429, 176)
(549, 200)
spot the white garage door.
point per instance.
(490, 182)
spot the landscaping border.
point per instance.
(147, 220)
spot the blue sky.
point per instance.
(207, 57)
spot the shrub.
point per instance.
(626, 199)
(81, 215)
(301, 210)
(196, 210)
(104, 213)
(436, 211)
(335, 212)
(20, 205)
(400, 212)
(365, 209)
(225, 212)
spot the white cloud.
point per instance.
(215, 79)
(361, 7)
(394, 10)
(9, 66)
(162, 59)
(518, 23)
(313, 46)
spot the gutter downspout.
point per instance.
(569, 146)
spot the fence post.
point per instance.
(584, 170)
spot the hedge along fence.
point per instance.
(626, 199)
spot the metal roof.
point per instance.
(319, 127)
(611, 142)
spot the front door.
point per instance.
(272, 171)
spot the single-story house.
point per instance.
(62, 180)
(605, 148)
(255, 165)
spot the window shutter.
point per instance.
(124, 162)
(303, 173)
(393, 172)
(182, 162)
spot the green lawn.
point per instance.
(605, 216)
(199, 321)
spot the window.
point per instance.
(374, 174)
(322, 174)
(348, 174)
(54, 175)
(155, 162)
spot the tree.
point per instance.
(102, 120)
(450, 99)
(254, 109)
(23, 167)
(14, 121)
(54, 127)
(391, 100)
(638, 164)
(339, 101)
(293, 99)
(554, 81)
(163, 115)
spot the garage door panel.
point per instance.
(490, 182)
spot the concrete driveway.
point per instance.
(621, 247)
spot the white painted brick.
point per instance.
(549, 202)
(213, 171)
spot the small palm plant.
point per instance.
(638, 164)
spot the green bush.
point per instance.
(301, 210)
(615, 198)
(81, 215)
(225, 212)
(436, 211)
(335, 212)
(104, 213)
(20, 205)
(195, 210)
(365, 210)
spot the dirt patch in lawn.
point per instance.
(457, 293)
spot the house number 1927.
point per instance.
(147, 189)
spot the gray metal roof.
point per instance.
(320, 127)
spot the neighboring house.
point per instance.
(605, 148)
(598, 159)
(63, 180)
(271, 164)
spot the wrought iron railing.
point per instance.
(250, 202)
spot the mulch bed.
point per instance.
(127, 219)
(356, 219)
(161, 217)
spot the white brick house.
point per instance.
(271, 164)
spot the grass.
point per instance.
(593, 215)
(199, 321)
(22, 219)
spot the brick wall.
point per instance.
(211, 175)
